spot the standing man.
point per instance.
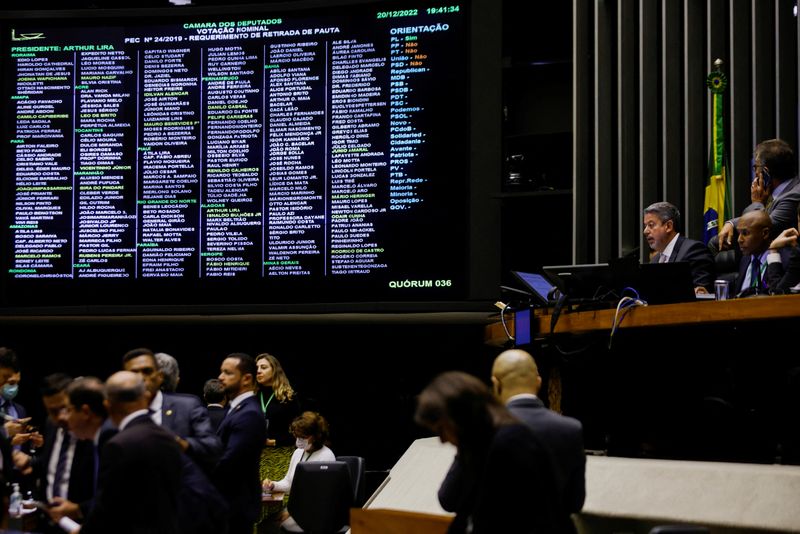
(184, 415)
(662, 225)
(14, 430)
(516, 382)
(140, 467)
(243, 434)
(214, 396)
(65, 469)
(85, 415)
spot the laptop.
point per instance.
(662, 283)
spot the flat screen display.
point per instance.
(271, 156)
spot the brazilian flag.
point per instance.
(717, 207)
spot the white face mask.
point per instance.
(301, 443)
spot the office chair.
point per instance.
(358, 471)
(320, 498)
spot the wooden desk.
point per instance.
(684, 314)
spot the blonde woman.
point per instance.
(280, 407)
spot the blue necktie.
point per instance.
(61, 465)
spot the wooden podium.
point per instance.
(407, 501)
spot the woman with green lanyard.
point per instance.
(280, 407)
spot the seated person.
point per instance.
(662, 225)
(311, 433)
(775, 189)
(754, 230)
(780, 279)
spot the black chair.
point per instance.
(320, 498)
(358, 471)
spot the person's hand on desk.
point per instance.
(267, 485)
(700, 290)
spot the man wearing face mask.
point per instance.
(15, 430)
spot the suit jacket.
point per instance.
(699, 257)
(744, 265)
(216, 414)
(138, 484)
(783, 210)
(187, 417)
(81, 475)
(243, 435)
(562, 438)
(201, 508)
(784, 274)
(490, 493)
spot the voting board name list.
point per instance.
(256, 148)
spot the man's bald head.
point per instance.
(515, 372)
(125, 394)
(754, 229)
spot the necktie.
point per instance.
(755, 273)
(61, 465)
(663, 258)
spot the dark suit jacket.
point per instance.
(512, 490)
(744, 265)
(562, 438)
(201, 508)
(243, 434)
(783, 210)
(699, 257)
(216, 414)
(138, 484)
(187, 417)
(81, 474)
(785, 274)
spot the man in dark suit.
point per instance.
(86, 418)
(662, 225)
(516, 382)
(782, 274)
(754, 230)
(214, 395)
(64, 471)
(140, 467)
(15, 433)
(184, 415)
(775, 188)
(243, 435)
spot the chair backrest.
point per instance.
(358, 471)
(321, 496)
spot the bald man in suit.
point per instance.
(516, 382)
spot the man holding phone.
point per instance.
(775, 188)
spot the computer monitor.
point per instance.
(539, 285)
(594, 282)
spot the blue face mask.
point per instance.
(9, 391)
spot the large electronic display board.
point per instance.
(279, 156)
